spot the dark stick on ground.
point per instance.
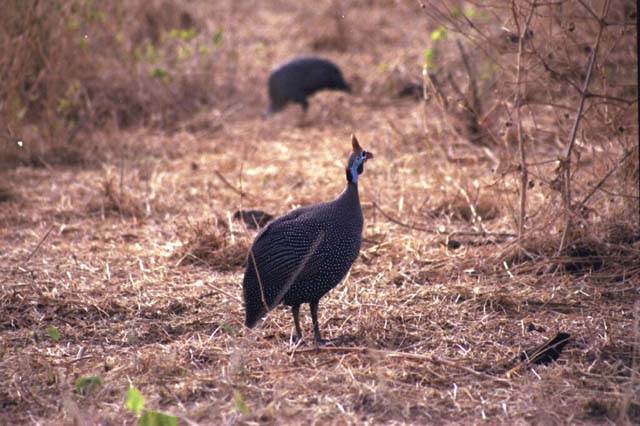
(543, 354)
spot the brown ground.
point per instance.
(143, 281)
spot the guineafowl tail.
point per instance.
(254, 314)
(253, 300)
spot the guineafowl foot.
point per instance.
(303, 123)
(316, 327)
(343, 340)
(303, 118)
(338, 341)
(295, 310)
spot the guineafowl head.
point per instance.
(338, 83)
(355, 165)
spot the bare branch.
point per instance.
(590, 10)
(612, 98)
(473, 86)
(432, 231)
(574, 130)
(602, 181)
(524, 171)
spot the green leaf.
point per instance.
(184, 35)
(86, 384)
(204, 50)
(230, 330)
(439, 33)
(160, 74)
(184, 52)
(188, 34)
(150, 52)
(429, 59)
(217, 38)
(428, 55)
(156, 418)
(135, 400)
(239, 403)
(469, 11)
(53, 332)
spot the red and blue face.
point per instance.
(357, 159)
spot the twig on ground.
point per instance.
(232, 187)
(635, 366)
(226, 293)
(452, 233)
(39, 244)
(396, 354)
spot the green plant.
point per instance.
(53, 333)
(135, 403)
(239, 403)
(86, 384)
(432, 53)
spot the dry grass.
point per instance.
(143, 281)
(74, 68)
(212, 245)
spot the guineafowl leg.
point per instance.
(295, 309)
(314, 318)
(302, 118)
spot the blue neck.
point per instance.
(352, 174)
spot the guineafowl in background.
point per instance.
(296, 80)
(297, 258)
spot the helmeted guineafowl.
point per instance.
(297, 258)
(296, 80)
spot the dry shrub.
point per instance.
(70, 67)
(334, 35)
(629, 183)
(210, 243)
(613, 411)
(620, 230)
(6, 194)
(605, 245)
(408, 303)
(459, 209)
(472, 59)
(14, 151)
(118, 200)
(556, 84)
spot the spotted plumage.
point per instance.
(302, 255)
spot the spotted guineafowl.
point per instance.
(296, 80)
(297, 258)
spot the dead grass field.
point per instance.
(142, 278)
